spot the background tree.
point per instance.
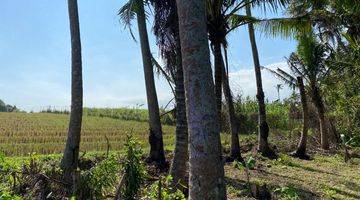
(70, 159)
(263, 145)
(220, 21)
(166, 29)
(127, 13)
(293, 80)
(206, 167)
(310, 60)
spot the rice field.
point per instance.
(45, 133)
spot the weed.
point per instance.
(288, 193)
(163, 187)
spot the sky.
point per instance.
(35, 57)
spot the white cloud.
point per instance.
(243, 82)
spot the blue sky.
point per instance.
(35, 57)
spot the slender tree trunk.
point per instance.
(155, 136)
(263, 145)
(179, 163)
(218, 65)
(235, 145)
(206, 167)
(69, 161)
(319, 104)
(301, 149)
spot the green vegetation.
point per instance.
(286, 177)
(163, 187)
(133, 170)
(324, 177)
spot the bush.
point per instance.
(133, 169)
(100, 180)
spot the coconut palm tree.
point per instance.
(295, 80)
(132, 9)
(310, 61)
(166, 29)
(220, 21)
(206, 168)
(69, 162)
(263, 145)
(223, 18)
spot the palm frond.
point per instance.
(297, 66)
(160, 71)
(287, 79)
(284, 27)
(127, 14)
(272, 5)
(236, 21)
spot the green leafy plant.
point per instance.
(6, 195)
(100, 180)
(163, 187)
(285, 161)
(288, 193)
(250, 163)
(238, 165)
(133, 169)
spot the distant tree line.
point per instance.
(7, 108)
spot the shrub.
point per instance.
(133, 169)
(100, 180)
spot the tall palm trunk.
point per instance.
(69, 161)
(301, 149)
(179, 163)
(218, 65)
(235, 145)
(319, 104)
(206, 166)
(155, 136)
(263, 145)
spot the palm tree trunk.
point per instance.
(206, 167)
(178, 169)
(319, 104)
(263, 145)
(155, 136)
(235, 145)
(301, 149)
(218, 65)
(69, 161)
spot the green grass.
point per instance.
(44, 133)
(324, 177)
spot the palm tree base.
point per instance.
(233, 158)
(300, 154)
(162, 166)
(268, 152)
